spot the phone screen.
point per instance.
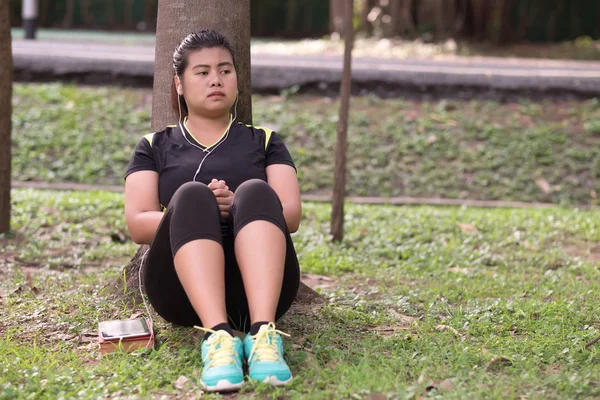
(121, 329)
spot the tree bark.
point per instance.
(69, 12)
(339, 185)
(128, 21)
(88, 17)
(336, 16)
(6, 71)
(291, 15)
(178, 18)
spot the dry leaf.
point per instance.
(411, 115)
(497, 362)
(404, 319)
(593, 194)
(458, 270)
(443, 328)
(432, 139)
(63, 336)
(181, 382)
(135, 315)
(394, 328)
(543, 184)
(446, 385)
(317, 281)
(467, 228)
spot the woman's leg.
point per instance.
(185, 271)
(261, 249)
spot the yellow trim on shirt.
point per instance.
(268, 133)
(201, 144)
(149, 137)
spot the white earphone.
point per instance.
(179, 92)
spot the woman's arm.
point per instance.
(142, 207)
(284, 181)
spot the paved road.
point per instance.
(123, 64)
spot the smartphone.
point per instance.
(123, 329)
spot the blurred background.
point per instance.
(499, 22)
(455, 99)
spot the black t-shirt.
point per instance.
(242, 154)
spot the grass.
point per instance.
(525, 151)
(433, 302)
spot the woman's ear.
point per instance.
(178, 85)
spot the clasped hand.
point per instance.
(223, 194)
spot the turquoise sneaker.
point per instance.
(264, 352)
(222, 356)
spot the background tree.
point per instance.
(6, 73)
(339, 179)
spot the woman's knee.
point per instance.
(192, 190)
(193, 199)
(256, 190)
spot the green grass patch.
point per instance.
(525, 151)
(423, 301)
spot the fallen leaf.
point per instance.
(593, 194)
(446, 328)
(404, 319)
(135, 315)
(181, 382)
(317, 281)
(394, 328)
(497, 362)
(467, 228)
(446, 385)
(432, 139)
(543, 185)
(63, 336)
(411, 115)
(459, 270)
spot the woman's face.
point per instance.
(210, 82)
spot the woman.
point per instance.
(221, 255)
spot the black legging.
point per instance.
(192, 214)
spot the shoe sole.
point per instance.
(276, 382)
(222, 386)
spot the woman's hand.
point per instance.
(223, 194)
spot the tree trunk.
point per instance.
(339, 185)
(111, 19)
(178, 18)
(150, 15)
(291, 15)
(69, 12)
(336, 16)
(88, 17)
(502, 15)
(128, 21)
(6, 71)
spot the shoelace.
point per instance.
(221, 350)
(265, 346)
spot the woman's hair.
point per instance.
(204, 39)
